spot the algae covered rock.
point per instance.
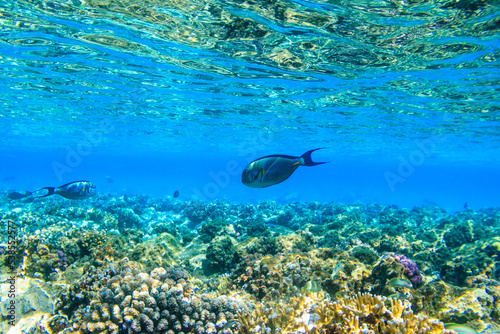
(264, 245)
(211, 229)
(257, 228)
(459, 235)
(33, 297)
(365, 255)
(127, 218)
(469, 305)
(221, 255)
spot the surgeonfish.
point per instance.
(274, 169)
(176, 193)
(72, 190)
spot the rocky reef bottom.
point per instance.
(138, 264)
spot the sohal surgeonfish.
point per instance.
(274, 169)
(72, 190)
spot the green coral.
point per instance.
(365, 255)
(257, 228)
(460, 234)
(211, 228)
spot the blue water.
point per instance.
(176, 96)
(218, 176)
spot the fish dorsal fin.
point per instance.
(67, 184)
(278, 156)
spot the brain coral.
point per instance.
(163, 301)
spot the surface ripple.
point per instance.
(343, 70)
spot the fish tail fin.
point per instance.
(51, 191)
(307, 158)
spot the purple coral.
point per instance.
(411, 270)
(63, 260)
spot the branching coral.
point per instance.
(363, 313)
(279, 317)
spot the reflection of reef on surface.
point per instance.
(169, 265)
(355, 36)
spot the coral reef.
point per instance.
(284, 267)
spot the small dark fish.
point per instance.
(15, 195)
(229, 324)
(176, 193)
(274, 169)
(399, 282)
(72, 190)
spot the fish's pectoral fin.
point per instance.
(261, 174)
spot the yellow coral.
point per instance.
(363, 313)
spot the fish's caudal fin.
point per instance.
(51, 191)
(307, 158)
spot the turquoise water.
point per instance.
(163, 95)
